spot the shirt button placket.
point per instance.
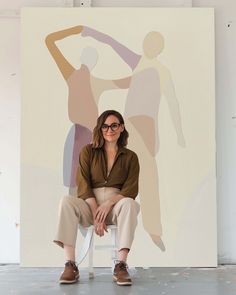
(104, 191)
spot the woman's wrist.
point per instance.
(115, 199)
(111, 202)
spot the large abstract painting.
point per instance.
(155, 66)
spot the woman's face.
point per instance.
(111, 129)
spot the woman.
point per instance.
(107, 180)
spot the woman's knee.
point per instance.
(69, 201)
(64, 200)
(131, 204)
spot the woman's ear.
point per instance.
(122, 127)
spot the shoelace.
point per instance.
(122, 265)
(71, 263)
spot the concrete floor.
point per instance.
(163, 281)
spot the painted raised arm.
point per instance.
(64, 66)
(129, 57)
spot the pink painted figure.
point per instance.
(84, 91)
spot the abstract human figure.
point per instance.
(84, 92)
(150, 80)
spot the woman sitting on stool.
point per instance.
(107, 180)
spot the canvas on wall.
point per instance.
(155, 66)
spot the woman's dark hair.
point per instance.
(98, 140)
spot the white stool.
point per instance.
(88, 246)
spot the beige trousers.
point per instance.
(74, 211)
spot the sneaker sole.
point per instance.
(121, 283)
(69, 282)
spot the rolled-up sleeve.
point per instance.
(83, 178)
(130, 186)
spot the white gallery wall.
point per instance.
(225, 18)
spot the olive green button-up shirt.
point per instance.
(92, 172)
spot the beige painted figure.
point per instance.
(150, 80)
(84, 91)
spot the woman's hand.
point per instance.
(99, 228)
(102, 211)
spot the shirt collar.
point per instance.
(121, 150)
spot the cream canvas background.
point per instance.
(186, 175)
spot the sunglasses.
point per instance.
(113, 126)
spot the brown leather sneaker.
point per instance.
(121, 275)
(70, 274)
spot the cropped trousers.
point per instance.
(74, 211)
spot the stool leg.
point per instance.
(91, 270)
(114, 251)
